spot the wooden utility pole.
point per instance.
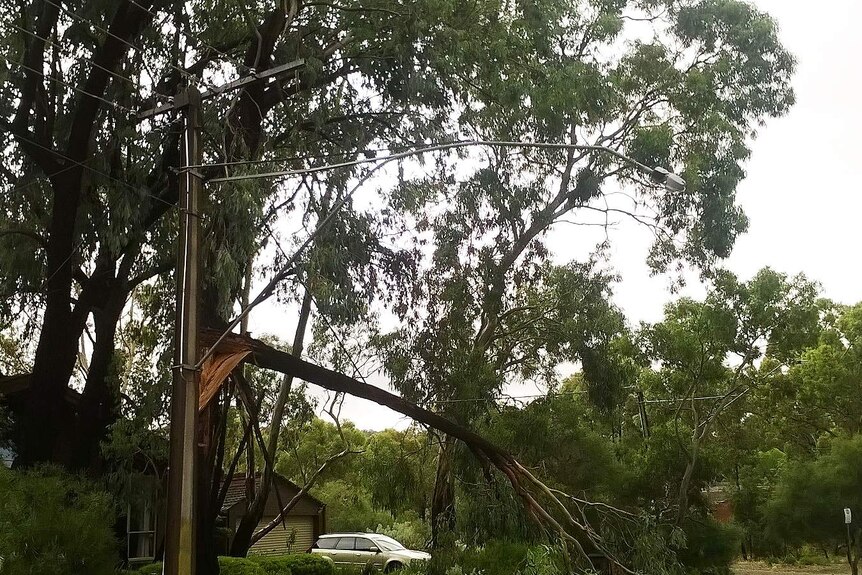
(180, 535)
(180, 541)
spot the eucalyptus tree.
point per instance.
(713, 353)
(679, 84)
(90, 189)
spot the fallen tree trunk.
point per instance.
(585, 540)
(267, 357)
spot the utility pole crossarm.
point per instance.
(181, 100)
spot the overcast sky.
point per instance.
(802, 193)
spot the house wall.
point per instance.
(303, 524)
(294, 536)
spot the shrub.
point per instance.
(226, 566)
(710, 546)
(306, 564)
(273, 565)
(411, 532)
(53, 523)
(496, 558)
(240, 566)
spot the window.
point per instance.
(388, 544)
(328, 543)
(141, 526)
(363, 544)
(345, 544)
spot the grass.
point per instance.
(762, 568)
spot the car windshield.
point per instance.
(388, 544)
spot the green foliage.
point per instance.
(235, 566)
(411, 532)
(757, 480)
(306, 445)
(151, 569)
(306, 564)
(273, 565)
(242, 566)
(806, 505)
(710, 547)
(52, 523)
(496, 557)
(397, 469)
(349, 507)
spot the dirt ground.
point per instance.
(760, 568)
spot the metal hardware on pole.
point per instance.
(180, 541)
(643, 414)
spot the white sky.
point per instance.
(802, 193)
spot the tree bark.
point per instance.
(443, 518)
(682, 498)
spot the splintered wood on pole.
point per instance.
(525, 484)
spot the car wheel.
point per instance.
(394, 566)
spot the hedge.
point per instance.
(307, 564)
(226, 566)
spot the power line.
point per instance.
(437, 148)
(86, 167)
(79, 58)
(68, 85)
(300, 157)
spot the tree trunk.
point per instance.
(443, 500)
(682, 500)
(209, 433)
(47, 420)
(854, 543)
(100, 400)
(242, 540)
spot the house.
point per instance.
(719, 499)
(302, 525)
(145, 518)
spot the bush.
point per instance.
(53, 523)
(411, 532)
(226, 566)
(306, 564)
(710, 546)
(496, 558)
(240, 566)
(273, 565)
